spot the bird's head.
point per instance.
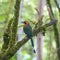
(26, 22)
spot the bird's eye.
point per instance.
(25, 22)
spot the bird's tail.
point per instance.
(33, 45)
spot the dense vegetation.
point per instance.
(9, 14)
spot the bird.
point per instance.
(28, 31)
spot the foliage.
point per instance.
(29, 13)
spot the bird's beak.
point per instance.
(22, 22)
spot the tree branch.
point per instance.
(7, 28)
(15, 24)
(6, 36)
(7, 53)
(57, 5)
(12, 49)
(7, 14)
(56, 34)
(50, 10)
(25, 39)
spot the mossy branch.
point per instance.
(57, 5)
(10, 52)
(56, 34)
(25, 39)
(7, 14)
(50, 10)
(15, 24)
(35, 32)
(14, 47)
(7, 28)
(13, 31)
(6, 36)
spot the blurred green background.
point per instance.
(29, 13)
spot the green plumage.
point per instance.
(28, 31)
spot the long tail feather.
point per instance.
(33, 45)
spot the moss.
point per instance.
(10, 33)
(6, 36)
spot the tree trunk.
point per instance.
(56, 34)
(39, 46)
(13, 25)
(20, 30)
(40, 36)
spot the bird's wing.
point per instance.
(28, 30)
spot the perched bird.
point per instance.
(28, 31)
